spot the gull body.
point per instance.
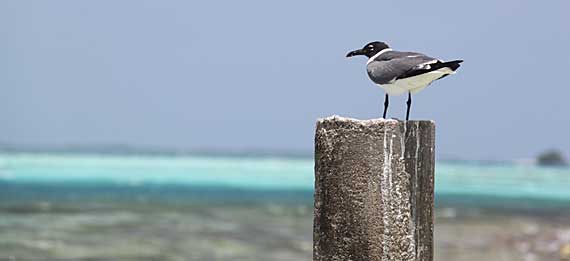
(402, 72)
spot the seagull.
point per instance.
(401, 72)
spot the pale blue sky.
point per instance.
(256, 74)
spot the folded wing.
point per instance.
(392, 66)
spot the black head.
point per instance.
(369, 49)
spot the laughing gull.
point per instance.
(400, 72)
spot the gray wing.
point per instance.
(390, 66)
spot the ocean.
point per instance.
(109, 207)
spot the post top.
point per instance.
(336, 118)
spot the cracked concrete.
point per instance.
(373, 190)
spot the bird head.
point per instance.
(369, 49)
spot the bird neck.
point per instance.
(378, 54)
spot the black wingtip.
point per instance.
(453, 65)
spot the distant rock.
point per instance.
(551, 158)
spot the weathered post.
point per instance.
(374, 183)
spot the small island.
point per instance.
(551, 158)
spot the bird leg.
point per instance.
(409, 103)
(385, 106)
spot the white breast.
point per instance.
(414, 84)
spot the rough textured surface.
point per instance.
(373, 190)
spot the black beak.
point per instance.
(355, 53)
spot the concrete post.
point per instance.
(374, 183)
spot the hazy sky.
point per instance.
(257, 74)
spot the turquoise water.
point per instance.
(454, 181)
(246, 173)
(89, 207)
